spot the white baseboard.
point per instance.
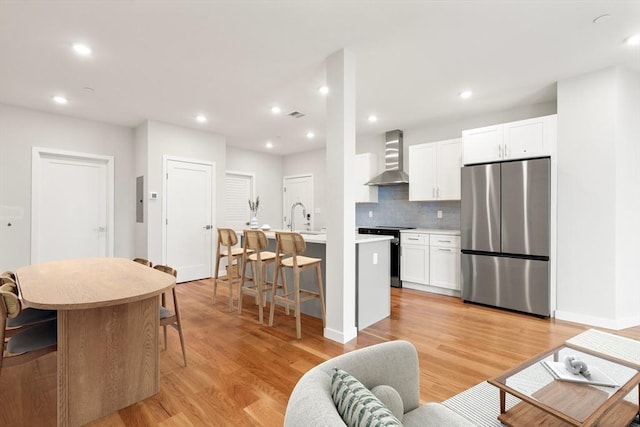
(601, 322)
(432, 289)
(342, 337)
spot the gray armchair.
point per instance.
(392, 363)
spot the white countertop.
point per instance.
(317, 237)
(432, 231)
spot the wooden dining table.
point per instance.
(108, 340)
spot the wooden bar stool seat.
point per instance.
(227, 239)
(291, 246)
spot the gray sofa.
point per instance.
(392, 363)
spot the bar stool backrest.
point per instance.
(227, 237)
(255, 239)
(290, 243)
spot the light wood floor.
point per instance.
(241, 373)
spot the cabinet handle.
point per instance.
(433, 192)
(444, 241)
(412, 238)
(438, 193)
(500, 150)
(506, 151)
(445, 250)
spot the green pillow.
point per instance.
(355, 403)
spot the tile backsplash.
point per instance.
(395, 209)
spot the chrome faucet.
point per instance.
(304, 214)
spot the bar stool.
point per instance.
(293, 245)
(228, 238)
(256, 241)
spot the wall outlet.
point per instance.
(375, 258)
(370, 214)
(439, 214)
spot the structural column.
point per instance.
(341, 254)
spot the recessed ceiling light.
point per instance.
(372, 118)
(465, 94)
(82, 49)
(324, 90)
(59, 99)
(310, 134)
(633, 40)
(275, 109)
(200, 118)
(269, 144)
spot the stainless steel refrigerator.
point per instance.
(505, 235)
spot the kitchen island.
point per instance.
(373, 287)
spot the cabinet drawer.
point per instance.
(414, 239)
(444, 240)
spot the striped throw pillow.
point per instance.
(357, 406)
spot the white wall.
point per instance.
(628, 194)
(165, 139)
(22, 129)
(267, 169)
(598, 199)
(311, 162)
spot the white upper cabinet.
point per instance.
(422, 176)
(366, 167)
(434, 170)
(483, 144)
(449, 162)
(515, 140)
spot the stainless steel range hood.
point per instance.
(393, 174)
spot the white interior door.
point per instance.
(72, 205)
(189, 224)
(238, 189)
(298, 189)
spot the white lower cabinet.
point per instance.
(444, 257)
(430, 261)
(414, 257)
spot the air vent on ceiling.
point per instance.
(296, 114)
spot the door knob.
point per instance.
(208, 227)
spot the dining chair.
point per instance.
(170, 317)
(27, 316)
(289, 249)
(143, 261)
(28, 343)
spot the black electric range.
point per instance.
(386, 230)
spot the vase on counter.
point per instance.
(254, 205)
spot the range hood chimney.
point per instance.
(393, 173)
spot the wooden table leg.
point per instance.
(502, 402)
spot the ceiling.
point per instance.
(233, 60)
